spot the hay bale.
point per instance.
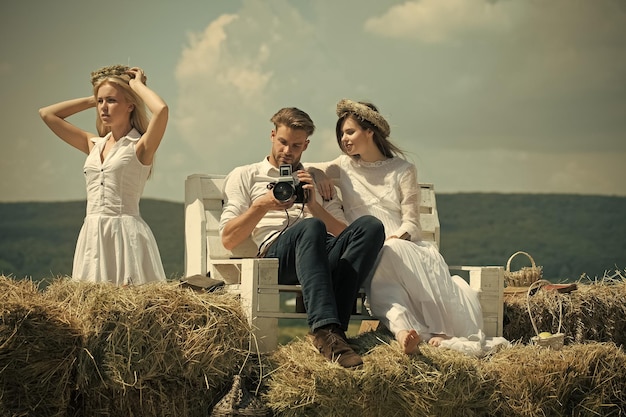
(594, 312)
(437, 382)
(581, 379)
(17, 289)
(152, 350)
(39, 346)
(462, 388)
(303, 383)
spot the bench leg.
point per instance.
(264, 329)
(488, 281)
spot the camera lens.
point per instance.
(283, 191)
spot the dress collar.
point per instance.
(361, 163)
(133, 136)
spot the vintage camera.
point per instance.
(287, 186)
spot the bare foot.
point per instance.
(409, 339)
(437, 339)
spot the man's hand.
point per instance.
(308, 185)
(268, 202)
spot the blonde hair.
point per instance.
(117, 76)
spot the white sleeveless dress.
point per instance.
(115, 244)
(411, 287)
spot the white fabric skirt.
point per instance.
(118, 249)
(411, 288)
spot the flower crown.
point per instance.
(363, 113)
(120, 71)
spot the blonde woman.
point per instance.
(115, 244)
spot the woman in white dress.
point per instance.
(411, 290)
(115, 244)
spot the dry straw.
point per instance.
(578, 380)
(153, 349)
(524, 276)
(99, 350)
(524, 380)
(90, 350)
(438, 382)
(594, 312)
(584, 379)
(39, 347)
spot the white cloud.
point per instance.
(208, 57)
(250, 82)
(221, 85)
(203, 53)
(435, 21)
(236, 73)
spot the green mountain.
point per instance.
(566, 234)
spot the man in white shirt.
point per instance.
(311, 239)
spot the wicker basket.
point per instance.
(554, 341)
(525, 276)
(238, 402)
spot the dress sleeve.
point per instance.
(410, 204)
(330, 168)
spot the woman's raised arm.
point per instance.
(151, 138)
(54, 117)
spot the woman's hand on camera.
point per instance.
(325, 185)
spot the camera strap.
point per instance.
(269, 240)
(265, 245)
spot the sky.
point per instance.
(507, 96)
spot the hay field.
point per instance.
(160, 350)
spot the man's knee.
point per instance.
(372, 227)
(314, 225)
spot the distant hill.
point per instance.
(566, 234)
(38, 239)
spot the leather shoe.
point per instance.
(331, 342)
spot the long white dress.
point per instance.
(115, 244)
(411, 287)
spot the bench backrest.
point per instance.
(203, 208)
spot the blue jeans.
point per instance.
(330, 269)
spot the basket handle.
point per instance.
(532, 320)
(508, 263)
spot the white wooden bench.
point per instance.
(255, 280)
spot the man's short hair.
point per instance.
(294, 118)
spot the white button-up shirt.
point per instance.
(249, 182)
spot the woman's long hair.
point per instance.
(138, 117)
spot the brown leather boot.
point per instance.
(331, 342)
